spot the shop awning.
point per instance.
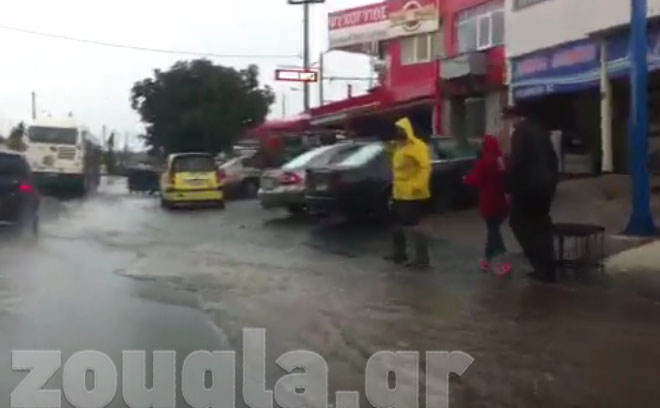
(293, 124)
(340, 111)
(566, 68)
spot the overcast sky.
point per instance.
(94, 82)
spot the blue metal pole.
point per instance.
(641, 221)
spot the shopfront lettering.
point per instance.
(576, 55)
(358, 17)
(531, 66)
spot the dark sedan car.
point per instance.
(361, 184)
(19, 200)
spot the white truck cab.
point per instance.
(56, 152)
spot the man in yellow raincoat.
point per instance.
(411, 167)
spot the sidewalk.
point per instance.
(602, 201)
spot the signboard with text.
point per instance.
(361, 25)
(296, 75)
(410, 17)
(618, 58)
(568, 68)
(576, 66)
(381, 21)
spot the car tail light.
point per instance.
(289, 179)
(25, 188)
(220, 176)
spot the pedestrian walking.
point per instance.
(489, 177)
(411, 170)
(532, 182)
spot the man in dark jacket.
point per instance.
(532, 182)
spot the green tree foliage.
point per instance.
(199, 106)
(15, 140)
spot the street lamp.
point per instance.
(641, 221)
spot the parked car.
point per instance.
(191, 178)
(285, 187)
(361, 184)
(241, 176)
(19, 198)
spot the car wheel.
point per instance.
(221, 204)
(165, 204)
(250, 188)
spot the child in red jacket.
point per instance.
(488, 176)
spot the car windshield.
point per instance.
(231, 163)
(307, 158)
(11, 165)
(194, 164)
(363, 155)
(447, 149)
(40, 134)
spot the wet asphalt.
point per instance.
(115, 272)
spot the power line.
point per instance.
(148, 49)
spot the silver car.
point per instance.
(241, 176)
(285, 187)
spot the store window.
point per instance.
(481, 27)
(408, 50)
(467, 35)
(497, 21)
(484, 32)
(420, 48)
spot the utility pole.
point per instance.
(607, 161)
(104, 139)
(321, 79)
(283, 105)
(306, 51)
(34, 105)
(641, 221)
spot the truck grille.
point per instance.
(66, 153)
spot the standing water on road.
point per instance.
(200, 277)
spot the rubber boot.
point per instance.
(422, 258)
(398, 247)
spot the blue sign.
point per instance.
(566, 68)
(618, 55)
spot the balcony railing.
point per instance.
(464, 65)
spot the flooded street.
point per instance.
(115, 272)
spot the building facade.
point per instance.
(569, 63)
(473, 68)
(442, 62)
(533, 25)
(404, 40)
